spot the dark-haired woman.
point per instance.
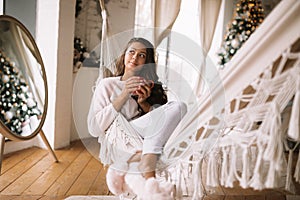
(130, 112)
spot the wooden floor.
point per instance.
(32, 174)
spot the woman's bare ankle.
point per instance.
(148, 175)
(147, 165)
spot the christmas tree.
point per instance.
(79, 49)
(17, 104)
(248, 16)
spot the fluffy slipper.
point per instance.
(150, 189)
(115, 181)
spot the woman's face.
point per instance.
(135, 57)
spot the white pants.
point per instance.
(156, 126)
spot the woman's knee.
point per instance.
(179, 107)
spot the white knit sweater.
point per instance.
(102, 113)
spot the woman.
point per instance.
(130, 113)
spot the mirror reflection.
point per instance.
(22, 88)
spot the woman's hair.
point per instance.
(148, 71)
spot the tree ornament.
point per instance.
(5, 78)
(232, 51)
(34, 122)
(22, 96)
(24, 108)
(26, 130)
(9, 115)
(24, 88)
(30, 103)
(15, 70)
(235, 43)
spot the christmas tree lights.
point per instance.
(248, 16)
(18, 109)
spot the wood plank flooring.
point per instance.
(32, 174)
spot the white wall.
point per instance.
(121, 15)
(84, 81)
(1, 7)
(64, 87)
(48, 47)
(24, 12)
(55, 40)
(88, 24)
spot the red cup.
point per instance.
(148, 82)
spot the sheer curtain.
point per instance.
(154, 19)
(208, 17)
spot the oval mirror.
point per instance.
(23, 85)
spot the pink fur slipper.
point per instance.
(150, 189)
(115, 181)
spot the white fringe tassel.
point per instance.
(197, 174)
(274, 149)
(288, 183)
(294, 131)
(297, 169)
(271, 177)
(224, 169)
(256, 181)
(246, 169)
(179, 172)
(212, 171)
(232, 168)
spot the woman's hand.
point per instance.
(143, 93)
(138, 86)
(133, 84)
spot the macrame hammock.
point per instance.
(253, 138)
